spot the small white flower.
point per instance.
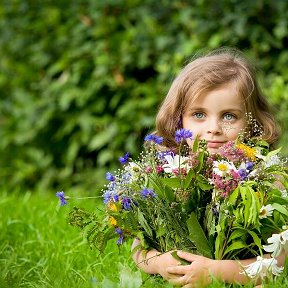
(266, 211)
(262, 267)
(134, 171)
(284, 193)
(222, 167)
(278, 243)
(175, 162)
(272, 160)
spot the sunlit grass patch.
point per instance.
(39, 249)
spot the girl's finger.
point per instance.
(179, 270)
(187, 256)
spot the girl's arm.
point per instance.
(154, 262)
(202, 269)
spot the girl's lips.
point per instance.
(215, 144)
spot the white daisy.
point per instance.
(262, 267)
(222, 167)
(277, 243)
(175, 162)
(266, 211)
(134, 171)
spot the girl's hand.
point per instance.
(197, 274)
(162, 262)
(154, 262)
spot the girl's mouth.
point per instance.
(215, 144)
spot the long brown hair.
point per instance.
(207, 73)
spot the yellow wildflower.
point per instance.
(248, 151)
(112, 206)
(112, 221)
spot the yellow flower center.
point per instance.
(263, 212)
(222, 167)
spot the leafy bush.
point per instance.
(81, 81)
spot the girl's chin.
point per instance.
(213, 150)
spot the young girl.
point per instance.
(212, 97)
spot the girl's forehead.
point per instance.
(225, 95)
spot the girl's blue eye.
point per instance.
(229, 117)
(199, 115)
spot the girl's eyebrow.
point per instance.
(232, 109)
(226, 110)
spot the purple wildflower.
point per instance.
(126, 202)
(110, 176)
(242, 173)
(249, 166)
(106, 198)
(161, 155)
(153, 138)
(62, 198)
(145, 193)
(121, 236)
(124, 159)
(182, 134)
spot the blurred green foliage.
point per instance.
(81, 81)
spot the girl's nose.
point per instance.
(214, 127)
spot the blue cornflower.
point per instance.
(249, 166)
(242, 173)
(124, 159)
(126, 202)
(153, 138)
(110, 192)
(110, 176)
(106, 197)
(121, 236)
(145, 193)
(182, 134)
(126, 177)
(161, 155)
(62, 198)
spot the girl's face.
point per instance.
(216, 117)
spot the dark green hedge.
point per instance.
(81, 81)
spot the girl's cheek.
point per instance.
(190, 142)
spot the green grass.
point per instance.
(39, 249)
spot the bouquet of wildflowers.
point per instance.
(229, 205)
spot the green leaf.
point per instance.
(195, 144)
(197, 236)
(158, 187)
(280, 208)
(203, 183)
(182, 261)
(233, 197)
(256, 238)
(189, 177)
(144, 223)
(235, 246)
(237, 233)
(172, 182)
